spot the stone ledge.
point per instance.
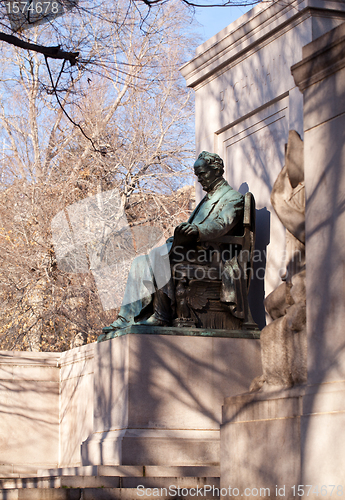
(263, 406)
(187, 332)
(107, 482)
(21, 470)
(321, 58)
(25, 358)
(270, 392)
(97, 494)
(133, 471)
(77, 354)
(275, 403)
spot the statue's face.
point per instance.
(206, 175)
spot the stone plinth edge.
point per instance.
(187, 332)
(295, 435)
(321, 58)
(253, 406)
(30, 358)
(133, 471)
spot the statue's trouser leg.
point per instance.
(129, 311)
(162, 306)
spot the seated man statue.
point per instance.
(151, 290)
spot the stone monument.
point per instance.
(289, 440)
(157, 398)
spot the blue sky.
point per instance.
(214, 19)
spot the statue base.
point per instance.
(278, 439)
(158, 396)
(250, 333)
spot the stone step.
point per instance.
(114, 483)
(134, 471)
(107, 482)
(132, 494)
(41, 494)
(18, 470)
(101, 494)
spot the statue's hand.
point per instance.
(187, 229)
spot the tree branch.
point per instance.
(53, 52)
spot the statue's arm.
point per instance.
(221, 222)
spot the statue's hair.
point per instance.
(213, 161)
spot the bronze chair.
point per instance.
(212, 280)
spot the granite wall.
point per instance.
(46, 408)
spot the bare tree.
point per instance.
(137, 139)
(18, 19)
(18, 16)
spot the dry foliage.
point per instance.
(139, 123)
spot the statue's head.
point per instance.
(213, 160)
(208, 168)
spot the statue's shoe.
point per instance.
(108, 336)
(101, 337)
(117, 325)
(152, 321)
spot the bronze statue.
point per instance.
(164, 288)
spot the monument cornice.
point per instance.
(76, 355)
(35, 359)
(248, 34)
(321, 58)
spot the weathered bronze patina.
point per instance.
(209, 258)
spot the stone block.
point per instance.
(189, 471)
(47, 494)
(320, 76)
(93, 470)
(323, 451)
(171, 450)
(128, 471)
(260, 443)
(76, 402)
(289, 437)
(322, 435)
(29, 404)
(77, 362)
(29, 366)
(158, 397)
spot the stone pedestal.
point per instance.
(275, 441)
(321, 78)
(29, 409)
(158, 397)
(290, 439)
(261, 443)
